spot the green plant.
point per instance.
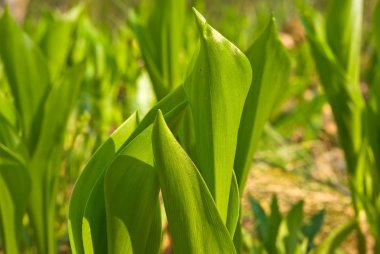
(188, 147)
(279, 233)
(32, 124)
(335, 43)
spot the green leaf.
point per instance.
(270, 70)
(132, 204)
(267, 226)
(27, 73)
(216, 90)
(261, 219)
(274, 222)
(85, 183)
(90, 184)
(14, 189)
(335, 238)
(294, 225)
(195, 224)
(311, 228)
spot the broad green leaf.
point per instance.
(216, 91)
(194, 221)
(94, 225)
(185, 134)
(132, 204)
(270, 69)
(161, 41)
(85, 183)
(91, 180)
(133, 216)
(27, 73)
(335, 238)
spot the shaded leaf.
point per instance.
(132, 204)
(85, 183)
(195, 224)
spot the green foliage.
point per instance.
(185, 147)
(201, 230)
(195, 146)
(279, 233)
(339, 78)
(31, 156)
(270, 68)
(335, 44)
(214, 103)
(161, 37)
(336, 237)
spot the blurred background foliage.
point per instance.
(301, 137)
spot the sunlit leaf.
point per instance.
(216, 90)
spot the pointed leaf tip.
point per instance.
(199, 17)
(159, 117)
(200, 20)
